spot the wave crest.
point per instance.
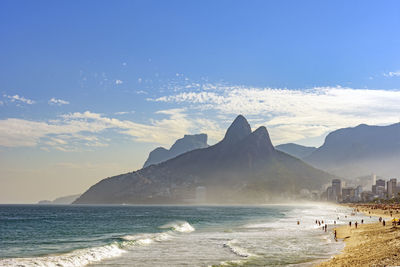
(182, 227)
(81, 257)
(78, 257)
(241, 252)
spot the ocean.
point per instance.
(124, 235)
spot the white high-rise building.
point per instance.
(392, 188)
(373, 178)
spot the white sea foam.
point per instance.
(78, 257)
(145, 239)
(232, 245)
(182, 227)
(82, 257)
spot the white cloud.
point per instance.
(392, 74)
(119, 82)
(59, 102)
(21, 99)
(74, 129)
(124, 112)
(293, 115)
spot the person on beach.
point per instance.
(335, 235)
(316, 222)
(350, 223)
(326, 227)
(356, 224)
(383, 223)
(298, 222)
(380, 219)
(334, 222)
(362, 221)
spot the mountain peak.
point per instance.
(183, 145)
(238, 130)
(262, 139)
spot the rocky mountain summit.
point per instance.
(185, 144)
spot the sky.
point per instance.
(89, 88)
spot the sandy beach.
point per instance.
(370, 244)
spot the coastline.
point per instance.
(371, 244)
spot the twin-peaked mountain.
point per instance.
(183, 145)
(242, 168)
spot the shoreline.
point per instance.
(371, 244)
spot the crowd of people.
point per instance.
(389, 209)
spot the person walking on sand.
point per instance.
(356, 224)
(326, 227)
(383, 223)
(335, 233)
(350, 223)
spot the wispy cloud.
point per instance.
(86, 129)
(392, 74)
(20, 99)
(293, 115)
(124, 112)
(118, 82)
(59, 102)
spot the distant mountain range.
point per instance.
(354, 152)
(185, 144)
(296, 150)
(361, 150)
(242, 168)
(60, 200)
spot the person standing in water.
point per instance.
(326, 227)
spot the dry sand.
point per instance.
(370, 244)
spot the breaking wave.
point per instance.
(82, 257)
(241, 252)
(78, 257)
(182, 227)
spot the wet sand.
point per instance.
(370, 244)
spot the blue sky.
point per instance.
(88, 88)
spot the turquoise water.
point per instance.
(34, 235)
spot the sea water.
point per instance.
(123, 235)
